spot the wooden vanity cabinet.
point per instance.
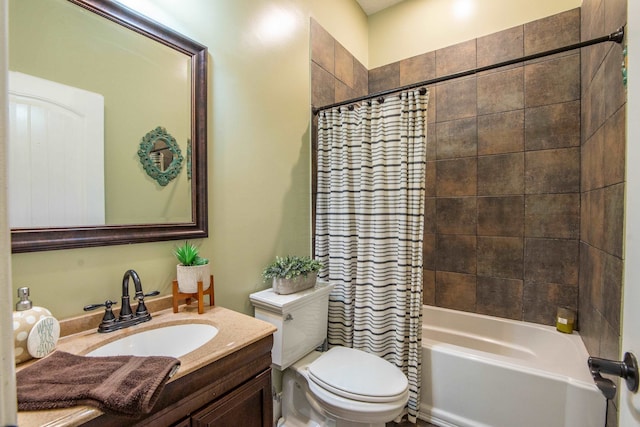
(232, 391)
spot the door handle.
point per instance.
(626, 369)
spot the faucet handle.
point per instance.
(141, 310)
(107, 304)
(150, 294)
(108, 317)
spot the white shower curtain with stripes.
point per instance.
(369, 227)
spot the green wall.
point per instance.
(259, 155)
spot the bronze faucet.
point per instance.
(126, 318)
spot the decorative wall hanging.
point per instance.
(189, 159)
(160, 156)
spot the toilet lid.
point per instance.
(357, 375)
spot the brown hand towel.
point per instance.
(122, 385)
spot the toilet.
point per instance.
(341, 387)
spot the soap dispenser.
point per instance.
(35, 330)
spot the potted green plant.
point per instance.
(292, 274)
(191, 268)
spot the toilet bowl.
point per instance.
(341, 387)
(363, 397)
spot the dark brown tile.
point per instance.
(541, 301)
(456, 253)
(501, 46)
(456, 215)
(592, 168)
(384, 78)
(591, 324)
(431, 110)
(456, 58)
(343, 92)
(593, 210)
(430, 178)
(585, 224)
(456, 100)
(593, 111)
(501, 133)
(592, 265)
(428, 287)
(553, 126)
(552, 171)
(614, 148)
(552, 81)
(499, 297)
(344, 65)
(322, 86)
(322, 47)
(457, 138)
(501, 216)
(501, 91)
(612, 289)
(592, 25)
(551, 261)
(615, 13)
(418, 68)
(456, 291)
(500, 257)
(552, 215)
(552, 32)
(430, 215)
(456, 177)
(429, 251)
(614, 219)
(360, 79)
(501, 174)
(613, 85)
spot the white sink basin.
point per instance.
(174, 341)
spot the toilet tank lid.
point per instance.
(356, 374)
(278, 303)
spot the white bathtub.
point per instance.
(483, 371)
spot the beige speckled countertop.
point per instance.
(236, 331)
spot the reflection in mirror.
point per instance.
(147, 74)
(160, 156)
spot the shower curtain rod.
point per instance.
(617, 36)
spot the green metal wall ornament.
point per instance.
(189, 159)
(160, 155)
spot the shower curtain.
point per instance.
(369, 227)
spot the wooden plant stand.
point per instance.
(199, 296)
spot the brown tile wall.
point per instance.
(525, 171)
(336, 75)
(503, 194)
(602, 180)
(524, 205)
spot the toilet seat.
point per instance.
(354, 410)
(357, 375)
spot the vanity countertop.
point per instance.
(236, 331)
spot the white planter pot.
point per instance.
(297, 284)
(188, 277)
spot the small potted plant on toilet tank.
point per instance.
(191, 268)
(292, 274)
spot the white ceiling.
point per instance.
(372, 6)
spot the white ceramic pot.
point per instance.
(188, 277)
(296, 284)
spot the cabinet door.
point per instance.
(248, 406)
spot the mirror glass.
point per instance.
(148, 78)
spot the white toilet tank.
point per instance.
(301, 319)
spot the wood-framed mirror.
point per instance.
(124, 230)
